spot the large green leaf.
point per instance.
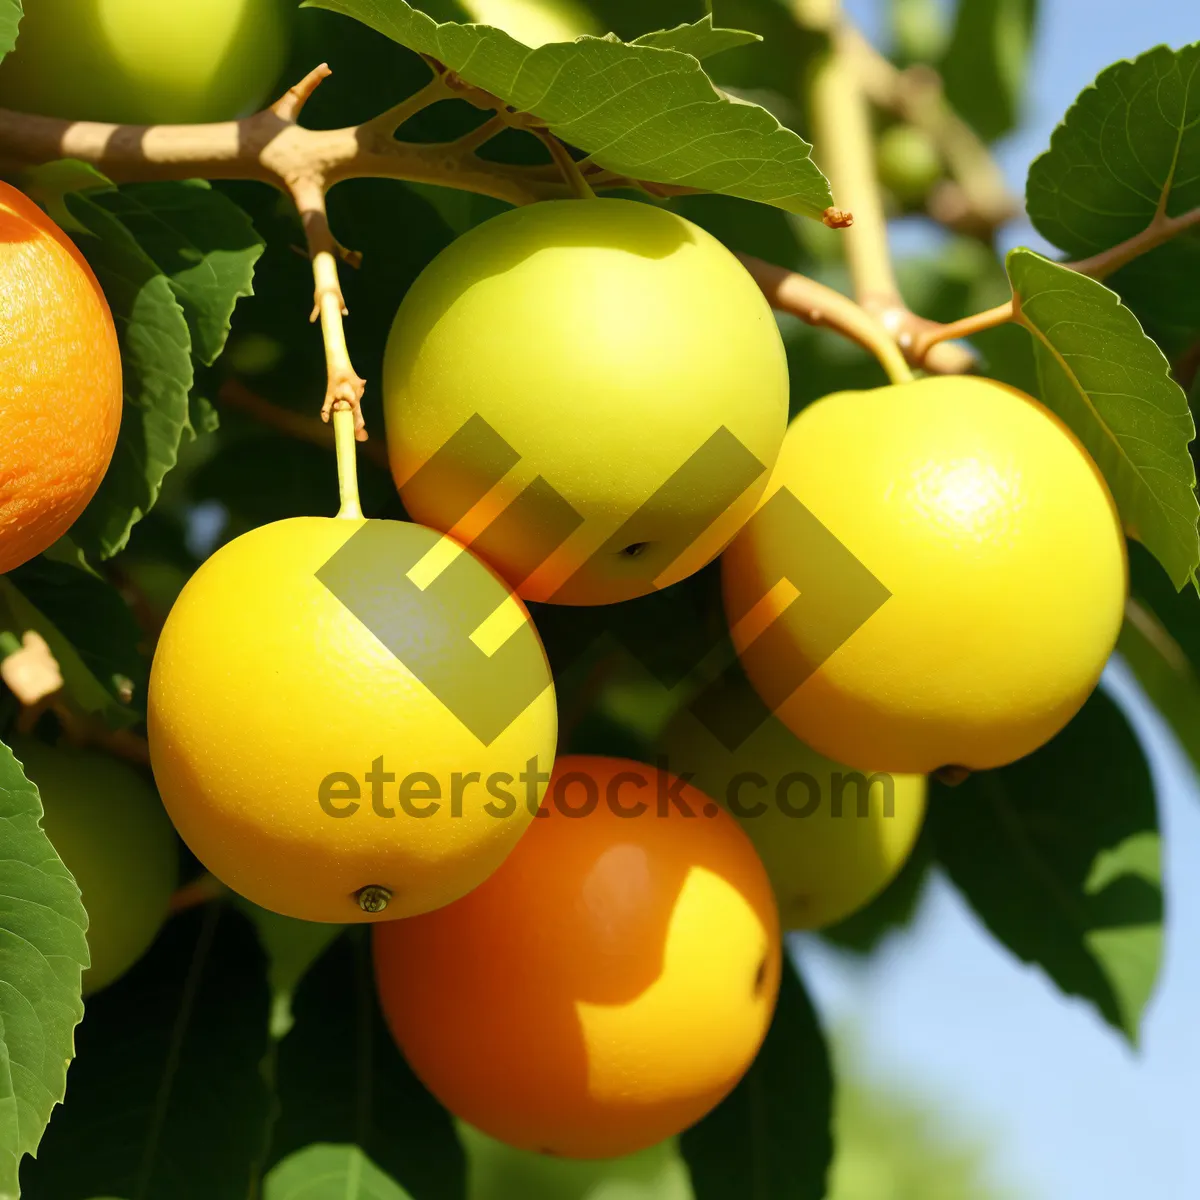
(340, 1079)
(325, 1172)
(701, 39)
(167, 1100)
(1112, 386)
(770, 1138)
(89, 629)
(1160, 642)
(10, 16)
(1129, 147)
(157, 366)
(642, 111)
(202, 241)
(984, 65)
(1059, 855)
(43, 952)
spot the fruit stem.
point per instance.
(567, 165)
(344, 441)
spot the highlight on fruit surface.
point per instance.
(982, 520)
(145, 62)
(337, 742)
(60, 381)
(608, 985)
(108, 826)
(590, 394)
(830, 838)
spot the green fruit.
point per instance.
(145, 61)
(909, 162)
(827, 850)
(499, 1172)
(108, 825)
(535, 22)
(604, 343)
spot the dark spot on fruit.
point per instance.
(710, 809)
(634, 549)
(760, 978)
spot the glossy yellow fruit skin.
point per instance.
(109, 828)
(605, 341)
(827, 851)
(145, 61)
(998, 539)
(264, 683)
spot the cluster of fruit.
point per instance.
(355, 720)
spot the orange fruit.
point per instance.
(60, 381)
(319, 766)
(608, 985)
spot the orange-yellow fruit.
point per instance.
(60, 381)
(996, 536)
(608, 985)
(303, 760)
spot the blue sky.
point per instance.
(1071, 1112)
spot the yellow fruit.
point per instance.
(983, 516)
(831, 838)
(499, 1172)
(303, 761)
(109, 828)
(144, 61)
(608, 985)
(535, 22)
(603, 343)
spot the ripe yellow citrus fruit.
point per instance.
(327, 736)
(60, 381)
(831, 838)
(144, 61)
(499, 1172)
(109, 828)
(608, 985)
(996, 536)
(607, 362)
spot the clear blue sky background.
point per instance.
(1071, 1113)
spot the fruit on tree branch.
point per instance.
(956, 495)
(145, 62)
(60, 381)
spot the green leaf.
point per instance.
(1059, 855)
(203, 243)
(325, 1172)
(770, 1137)
(1129, 147)
(11, 13)
(43, 952)
(157, 367)
(167, 1100)
(1160, 642)
(1110, 383)
(340, 1079)
(700, 39)
(637, 110)
(89, 629)
(984, 66)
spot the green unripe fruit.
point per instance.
(499, 1172)
(110, 829)
(145, 61)
(830, 838)
(909, 162)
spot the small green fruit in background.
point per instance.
(908, 161)
(535, 22)
(110, 829)
(822, 830)
(145, 61)
(499, 1172)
